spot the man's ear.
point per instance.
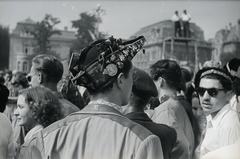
(160, 82)
(120, 80)
(229, 95)
(40, 77)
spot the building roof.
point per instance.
(27, 21)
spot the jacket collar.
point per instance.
(138, 116)
(131, 109)
(99, 109)
(103, 102)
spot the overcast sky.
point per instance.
(123, 18)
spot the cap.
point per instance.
(143, 84)
(98, 63)
(218, 71)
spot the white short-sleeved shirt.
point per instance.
(222, 130)
(186, 17)
(175, 18)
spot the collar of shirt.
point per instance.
(217, 119)
(110, 104)
(165, 98)
(233, 101)
(33, 131)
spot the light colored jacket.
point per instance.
(172, 113)
(96, 132)
(6, 138)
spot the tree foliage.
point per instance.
(43, 31)
(4, 47)
(86, 30)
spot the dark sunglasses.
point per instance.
(213, 92)
(29, 78)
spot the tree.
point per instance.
(4, 47)
(43, 31)
(86, 30)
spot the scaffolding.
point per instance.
(185, 40)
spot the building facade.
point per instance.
(22, 45)
(227, 43)
(161, 44)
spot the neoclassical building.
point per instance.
(22, 44)
(161, 44)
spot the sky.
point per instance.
(124, 18)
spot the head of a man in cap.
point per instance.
(214, 89)
(104, 67)
(143, 89)
(167, 76)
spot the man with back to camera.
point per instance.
(99, 130)
(223, 127)
(47, 71)
(167, 77)
(143, 89)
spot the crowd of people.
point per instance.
(110, 109)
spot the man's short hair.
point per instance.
(50, 66)
(169, 70)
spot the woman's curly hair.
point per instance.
(44, 105)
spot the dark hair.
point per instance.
(44, 105)
(236, 86)
(2, 80)
(125, 70)
(50, 66)
(154, 102)
(187, 75)
(139, 102)
(169, 70)
(4, 93)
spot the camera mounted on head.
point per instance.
(96, 65)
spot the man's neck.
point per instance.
(106, 97)
(168, 92)
(131, 109)
(51, 86)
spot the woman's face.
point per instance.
(196, 108)
(23, 113)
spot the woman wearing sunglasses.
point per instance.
(223, 127)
